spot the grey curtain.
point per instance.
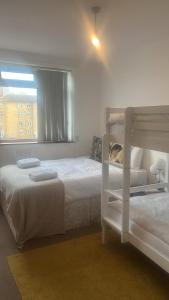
(52, 99)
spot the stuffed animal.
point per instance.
(116, 153)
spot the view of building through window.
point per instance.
(18, 105)
(18, 112)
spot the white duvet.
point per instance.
(82, 176)
(37, 208)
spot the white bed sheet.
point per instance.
(150, 213)
(82, 212)
(141, 233)
(82, 177)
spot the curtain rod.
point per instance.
(35, 67)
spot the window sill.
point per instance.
(16, 143)
(33, 142)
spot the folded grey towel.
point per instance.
(43, 174)
(28, 163)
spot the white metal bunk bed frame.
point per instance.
(144, 127)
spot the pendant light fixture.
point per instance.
(95, 40)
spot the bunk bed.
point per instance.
(133, 217)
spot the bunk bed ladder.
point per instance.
(107, 192)
(126, 178)
(105, 184)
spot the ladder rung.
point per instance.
(114, 193)
(148, 187)
(111, 223)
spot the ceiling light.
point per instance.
(94, 39)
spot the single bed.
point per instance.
(149, 219)
(51, 207)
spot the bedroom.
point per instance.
(133, 71)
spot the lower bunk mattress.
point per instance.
(149, 219)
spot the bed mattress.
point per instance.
(81, 178)
(149, 216)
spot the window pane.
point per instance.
(17, 76)
(18, 113)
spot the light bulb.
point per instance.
(95, 41)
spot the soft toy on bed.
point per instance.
(116, 153)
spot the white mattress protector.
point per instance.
(150, 212)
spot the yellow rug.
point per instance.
(84, 269)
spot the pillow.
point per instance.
(96, 149)
(116, 153)
(136, 158)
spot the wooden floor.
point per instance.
(8, 289)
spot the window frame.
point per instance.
(28, 69)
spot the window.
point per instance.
(29, 106)
(21, 123)
(20, 87)
(21, 113)
(19, 105)
(18, 93)
(29, 122)
(29, 131)
(21, 132)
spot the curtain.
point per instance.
(52, 105)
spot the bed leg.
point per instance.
(124, 237)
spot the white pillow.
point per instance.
(136, 158)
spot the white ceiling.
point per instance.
(50, 27)
(61, 27)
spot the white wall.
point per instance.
(140, 76)
(138, 71)
(138, 35)
(86, 77)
